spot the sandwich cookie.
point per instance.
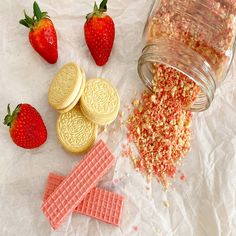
(67, 87)
(100, 101)
(75, 132)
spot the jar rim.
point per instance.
(167, 52)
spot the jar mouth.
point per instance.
(183, 59)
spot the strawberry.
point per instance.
(42, 35)
(99, 32)
(27, 128)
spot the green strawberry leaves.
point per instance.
(37, 11)
(103, 5)
(24, 22)
(95, 7)
(29, 22)
(98, 11)
(9, 118)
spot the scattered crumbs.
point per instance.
(134, 161)
(183, 177)
(149, 178)
(135, 102)
(135, 228)
(126, 151)
(127, 107)
(166, 204)
(121, 114)
(159, 125)
(166, 187)
(158, 232)
(120, 119)
(147, 188)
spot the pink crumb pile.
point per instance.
(160, 124)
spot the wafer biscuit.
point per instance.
(78, 184)
(98, 203)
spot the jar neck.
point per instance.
(180, 57)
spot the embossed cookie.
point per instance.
(100, 101)
(75, 132)
(66, 87)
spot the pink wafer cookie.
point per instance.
(54, 180)
(99, 203)
(78, 184)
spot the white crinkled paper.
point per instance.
(203, 205)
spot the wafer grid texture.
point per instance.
(53, 182)
(102, 205)
(77, 184)
(99, 203)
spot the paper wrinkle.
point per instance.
(202, 205)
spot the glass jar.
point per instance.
(194, 37)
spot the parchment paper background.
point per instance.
(203, 205)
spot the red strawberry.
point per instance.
(42, 35)
(99, 32)
(27, 129)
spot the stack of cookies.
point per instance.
(83, 105)
(66, 88)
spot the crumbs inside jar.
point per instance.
(207, 27)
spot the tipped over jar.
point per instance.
(194, 39)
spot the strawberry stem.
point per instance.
(29, 22)
(98, 11)
(9, 118)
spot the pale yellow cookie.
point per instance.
(100, 101)
(75, 132)
(99, 121)
(65, 86)
(71, 106)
